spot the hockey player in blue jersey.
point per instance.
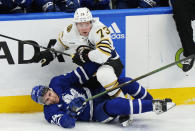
(64, 99)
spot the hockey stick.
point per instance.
(139, 78)
(35, 45)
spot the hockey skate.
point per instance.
(188, 64)
(126, 120)
(161, 106)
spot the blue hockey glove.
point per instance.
(67, 121)
(148, 3)
(76, 107)
(81, 55)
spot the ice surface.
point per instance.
(180, 118)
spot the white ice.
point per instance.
(180, 118)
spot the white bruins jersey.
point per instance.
(99, 39)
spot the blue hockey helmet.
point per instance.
(38, 92)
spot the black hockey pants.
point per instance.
(183, 14)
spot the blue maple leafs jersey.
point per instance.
(68, 87)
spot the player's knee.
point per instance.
(105, 75)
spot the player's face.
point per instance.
(84, 28)
(50, 98)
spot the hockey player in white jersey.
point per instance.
(98, 48)
(90, 32)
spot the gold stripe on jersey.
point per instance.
(61, 34)
(104, 52)
(104, 46)
(104, 41)
(111, 84)
(59, 39)
(69, 28)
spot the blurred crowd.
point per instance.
(30, 6)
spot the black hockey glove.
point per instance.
(44, 56)
(81, 55)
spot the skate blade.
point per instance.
(170, 105)
(127, 122)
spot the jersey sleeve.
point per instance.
(61, 43)
(100, 36)
(77, 77)
(68, 40)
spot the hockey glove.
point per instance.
(66, 121)
(44, 56)
(148, 3)
(76, 107)
(81, 55)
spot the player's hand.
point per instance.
(148, 3)
(81, 55)
(44, 56)
(76, 106)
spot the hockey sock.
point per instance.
(134, 89)
(121, 106)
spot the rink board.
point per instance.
(23, 104)
(146, 39)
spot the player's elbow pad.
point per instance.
(67, 122)
(98, 57)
